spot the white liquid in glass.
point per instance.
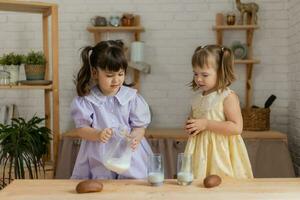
(184, 178)
(156, 178)
(117, 165)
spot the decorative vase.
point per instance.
(13, 73)
(35, 72)
(230, 19)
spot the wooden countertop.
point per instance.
(284, 188)
(177, 133)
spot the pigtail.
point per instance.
(83, 79)
(226, 71)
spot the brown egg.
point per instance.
(212, 181)
(89, 186)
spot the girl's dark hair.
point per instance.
(106, 55)
(224, 63)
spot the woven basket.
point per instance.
(256, 119)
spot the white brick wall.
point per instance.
(173, 30)
(294, 80)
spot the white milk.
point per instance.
(184, 177)
(155, 177)
(117, 165)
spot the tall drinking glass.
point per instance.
(184, 169)
(156, 170)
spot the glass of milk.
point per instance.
(156, 170)
(184, 169)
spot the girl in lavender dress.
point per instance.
(104, 102)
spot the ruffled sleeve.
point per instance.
(139, 112)
(81, 112)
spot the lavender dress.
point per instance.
(126, 108)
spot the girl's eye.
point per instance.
(109, 75)
(121, 74)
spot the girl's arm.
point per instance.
(91, 134)
(137, 135)
(232, 126)
(233, 116)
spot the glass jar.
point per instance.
(118, 155)
(4, 77)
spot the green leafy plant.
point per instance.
(23, 145)
(11, 59)
(35, 58)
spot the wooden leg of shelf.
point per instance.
(249, 18)
(249, 86)
(136, 79)
(137, 36)
(219, 37)
(249, 43)
(56, 133)
(55, 90)
(46, 44)
(97, 37)
(47, 109)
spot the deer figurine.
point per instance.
(250, 9)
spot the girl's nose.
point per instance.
(115, 80)
(198, 79)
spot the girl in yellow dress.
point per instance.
(215, 124)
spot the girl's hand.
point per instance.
(195, 126)
(137, 134)
(135, 143)
(105, 135)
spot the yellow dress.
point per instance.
(216, 153)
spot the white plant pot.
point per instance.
(14, 73)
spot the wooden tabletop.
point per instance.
(177, 133)
(285, 188)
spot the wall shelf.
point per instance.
(26, 87)
(247, 61)
(115, 29)
(235, 27)
(250, 61)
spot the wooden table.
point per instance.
(285, 188)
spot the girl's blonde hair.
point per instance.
(224, 62)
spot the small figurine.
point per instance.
(250, 9)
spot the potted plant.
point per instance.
(22, 147)
(35, 64)
(11, 63)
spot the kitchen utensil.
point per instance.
(270, 101)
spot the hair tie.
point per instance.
(222, 49)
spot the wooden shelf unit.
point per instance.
(46, 10)
(135, 30)
(27, 87)
(250, 61)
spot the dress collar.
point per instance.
(216, 92)
(123, 96)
